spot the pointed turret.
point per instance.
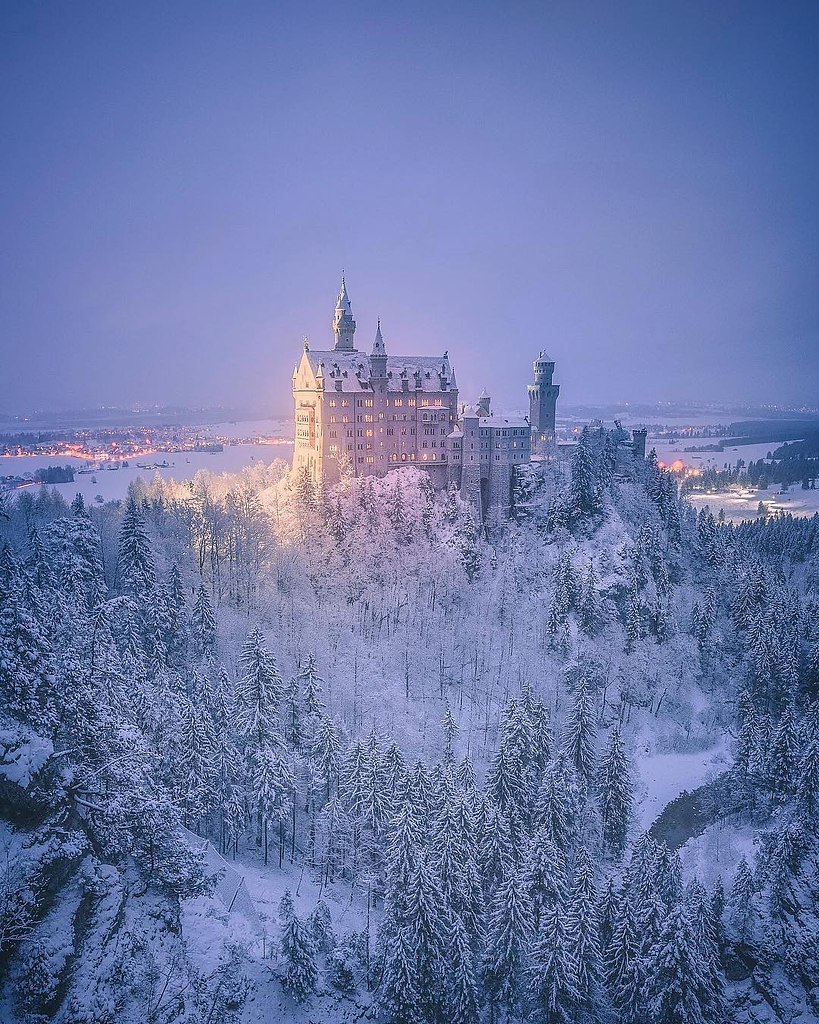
(484, 403)
(378, 358)
(343, 323)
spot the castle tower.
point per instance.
(543, 399)
(484, 404)
(378, 357)
(343, 323)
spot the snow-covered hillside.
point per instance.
(272, 755)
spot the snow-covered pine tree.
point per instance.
(203, 624)
(509, 927)
(580, 738)
(297, 953)
(258, 692)
(136, 572)
(614, 789)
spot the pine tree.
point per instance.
(258, 691)
(461, 985)
(624, 970)
(399, 981)
(741, 899)
(582, 930)
(27, 669)
(450, 730)
(311, 686)
(676, 987)
(585, 497)
(580, 741)
(297, 953)
(428, 936)
(136, 566)
(271, 783)
(559, 801)
(807, 780)
(509, 929)
(615, 794)
(783, 759)
(544, 876)
(203, 624)
(553, 971)
(712, 999)
(325, 755)
(589, 611)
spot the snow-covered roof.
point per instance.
(504, 421)
(353, 369)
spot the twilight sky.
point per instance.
(632, 186)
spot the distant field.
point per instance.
(745, 505)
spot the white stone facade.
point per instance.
(366, 414)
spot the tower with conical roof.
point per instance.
(378, 358)
(543, 400)
(343, 323)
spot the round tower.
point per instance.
(543, 399)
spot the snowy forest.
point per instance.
(445, 764)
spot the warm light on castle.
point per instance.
(366, 414)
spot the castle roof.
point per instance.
(353, 369)
(504, 421)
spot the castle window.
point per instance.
(333, 447)
(410, 401)
(332, 403)
(390, 431)
(345, 419)
(423, 444)
(394, 457)
(424, 402)
(368, 402)
(398, 402)
(437, 402)
(370, 458)
(345, 402)
(434, 444)
(369, 433)
(403, 456)
(332, 433)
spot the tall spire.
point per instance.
(378, 344)
(378, 359)
(343, 323)
(343, 300)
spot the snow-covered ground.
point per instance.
(662, 777)
(112, 484)
(745, 504)
(669, 451)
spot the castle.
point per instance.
(366, 414)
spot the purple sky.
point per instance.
(633, 187)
